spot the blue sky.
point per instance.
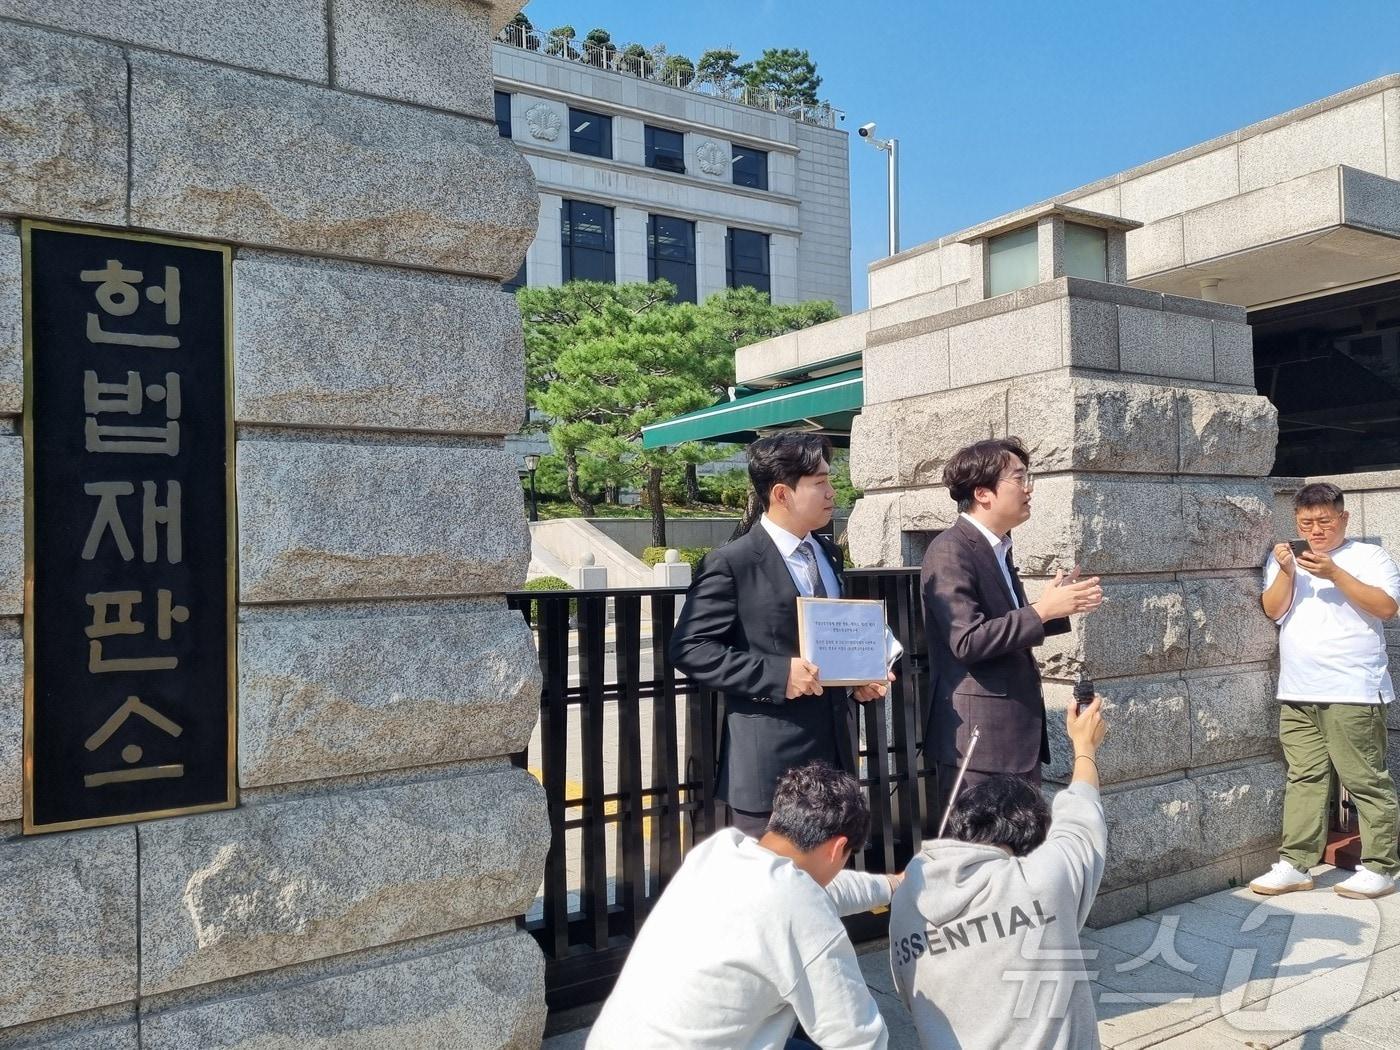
(1000, 104)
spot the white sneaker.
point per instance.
(1282, 878)
(1366, 885)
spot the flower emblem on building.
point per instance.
(543, 121)
(710, 156)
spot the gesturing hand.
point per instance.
(1067, 595)
(802, 679)
(1283, 554)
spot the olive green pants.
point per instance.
(1350, 737)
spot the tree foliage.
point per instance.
(560, 42)
(787, 72)
(604, 360)
(721, 66)
(677, 70)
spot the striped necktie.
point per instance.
(814, 575)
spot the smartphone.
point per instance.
(1299, 547)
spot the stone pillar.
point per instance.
(1149, 448)
(711, 272)
(364, 892)
(630, 238)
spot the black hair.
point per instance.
(1319, 494)
(979, 466)
(785, 459)
(1003, 810)
(814, 803)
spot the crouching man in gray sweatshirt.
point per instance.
(984, 932)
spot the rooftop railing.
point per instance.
(613, 59)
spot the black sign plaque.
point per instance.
(129, 590)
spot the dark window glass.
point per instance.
(590, 133)
(671, 254)
(1331, 366)
(748, 260)
(503, 113)
(665, 149)
(750, 168)
(588, 242)
(518, 281)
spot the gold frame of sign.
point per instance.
(226, 718)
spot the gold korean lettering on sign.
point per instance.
(106, 399)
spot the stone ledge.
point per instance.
(331, 522)
(300, 320)
(333, 697)
(271, 885)
(288, 37)
(68, 923)
(1049, 291)
(487, 995)
(65, 144)
(254, 160)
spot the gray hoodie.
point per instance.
(985, 946)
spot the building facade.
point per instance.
(641, 179)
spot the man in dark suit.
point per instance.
(981, 628)
(738, 632)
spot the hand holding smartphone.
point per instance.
(1299, 548)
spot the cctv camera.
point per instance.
(866, 130)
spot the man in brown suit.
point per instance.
(981, 628)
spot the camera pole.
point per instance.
(953, 795)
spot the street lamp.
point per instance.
(891, 149)
(532, 464)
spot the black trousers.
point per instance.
(751, 824)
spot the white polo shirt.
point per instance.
(1329, 650)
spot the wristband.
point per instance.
(1089, 759)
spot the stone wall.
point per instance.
(364, 892)
(1150, 451)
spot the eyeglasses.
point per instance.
(1024, 478)
(1321, 523)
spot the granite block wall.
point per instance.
(1151, 453)
(363, 892)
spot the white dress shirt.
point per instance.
(1001, 549)
(787, 545)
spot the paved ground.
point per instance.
(1307, 971)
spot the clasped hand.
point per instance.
(804, 680)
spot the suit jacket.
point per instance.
(979, 646)
(738, 633)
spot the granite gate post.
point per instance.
(363, 891)
(1149, 447)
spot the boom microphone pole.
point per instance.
(953, 795)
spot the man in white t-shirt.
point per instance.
(747, 939)
(1331, 604)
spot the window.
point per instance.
(671, 254)
(1012, 261)
(516, 282)
(588, 242)
(1086, 252)
(750, 168)
(748, 260)
(665, 149)
(503, 113)
(590, 133)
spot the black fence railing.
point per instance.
(626, 751)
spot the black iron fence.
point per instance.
(626, 750)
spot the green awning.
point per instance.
(822, 406)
